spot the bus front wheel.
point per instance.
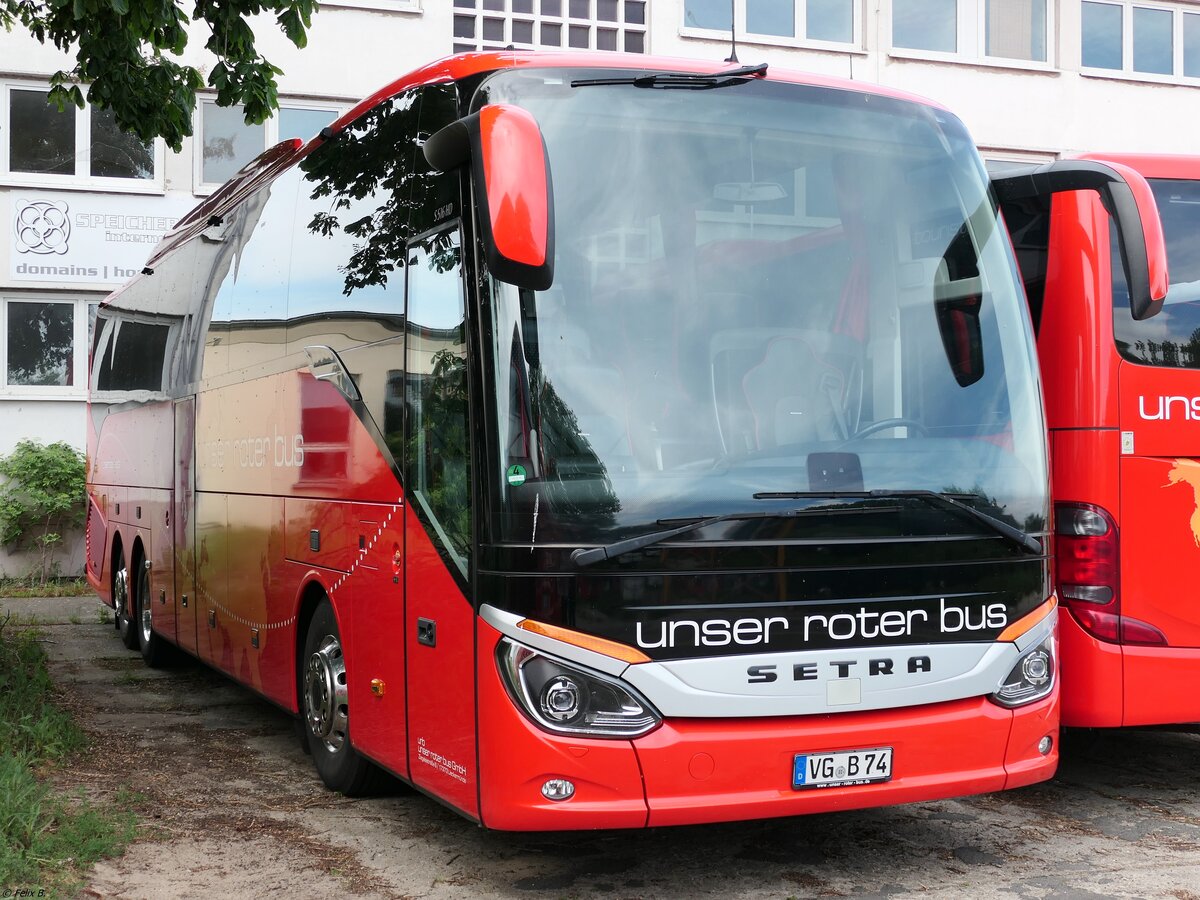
(326, 710)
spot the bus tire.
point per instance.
(325, 710)
(124, 619)
(300, 729)
(156, 651)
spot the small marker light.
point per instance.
(559, 789)
(1045, 744)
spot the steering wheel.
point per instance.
(885, 424)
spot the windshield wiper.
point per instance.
(586, 557)
(1026, 542)
(690, 81)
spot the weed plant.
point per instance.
(53, 587)
(47, 840)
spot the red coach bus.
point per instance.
(594, 441)
(1122, 403)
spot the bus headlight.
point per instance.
(1032, 678)
(567, 699)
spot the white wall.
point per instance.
(1049, 108)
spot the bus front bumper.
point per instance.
(691, 771)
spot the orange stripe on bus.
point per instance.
(599, 645)
(1026, 622)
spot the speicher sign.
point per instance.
(59, 236)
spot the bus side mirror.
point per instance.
(511, 174)
(956, 306)
(1127, 197)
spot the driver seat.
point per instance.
(794, 397)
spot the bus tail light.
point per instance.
(1087, 562)
(565, 699)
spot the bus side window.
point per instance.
(1029, 227)
(363, 198)
(437, 457)
(247, 280)
(131, 354)
(1170, 339)
(260, 290)
(350, 229)
(435, 196)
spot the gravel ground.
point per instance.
(232, 805)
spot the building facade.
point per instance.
(82, 205)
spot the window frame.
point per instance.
(537, 20)
(107, 326)
(971, 34)
(81, 179)
(414, 428)
(800, 13)
(1127, 72)
(81, 304)
(202, 188)
(409, 7)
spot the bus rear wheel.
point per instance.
(325, 709)
(155, 650)
(124, 618)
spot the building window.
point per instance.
(1140, 38)
(925, 25)
(1015, 29)
(45, 346)
(406, 6)
(976, 29)
(777, 21)
(1191, 45)
(41, 343)
(43, 145)
(228, 143)
(571, 24)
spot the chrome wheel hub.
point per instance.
(121, 592)
(325, 706)
(144, 610)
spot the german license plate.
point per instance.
(841, 769)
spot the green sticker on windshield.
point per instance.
(516, 475)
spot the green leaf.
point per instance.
(127, 56)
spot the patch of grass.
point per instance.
(47, 840)
(54, 587)
(30, 724)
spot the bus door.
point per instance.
(440, 627)
(183, 524)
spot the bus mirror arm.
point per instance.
(1126, 196)
(510, 172)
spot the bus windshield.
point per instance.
(760, 289)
